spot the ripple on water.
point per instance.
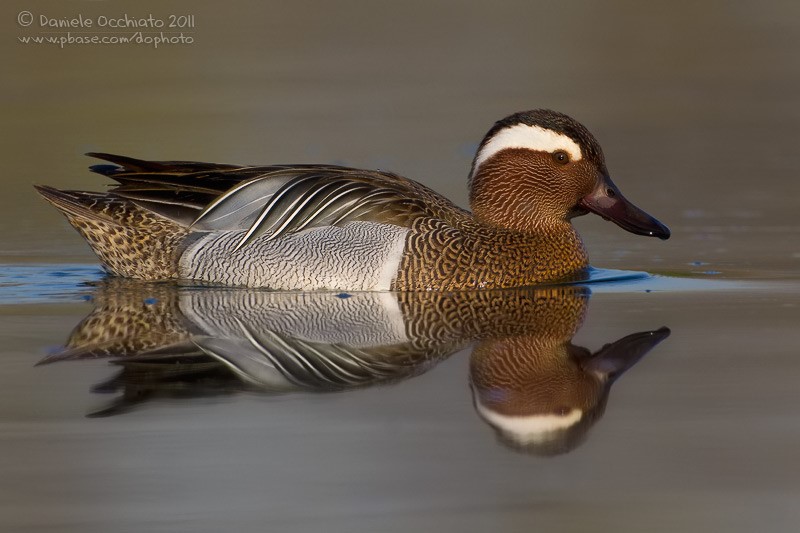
(32, 284)
(609, 280)
(52, 283)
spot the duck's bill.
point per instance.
(608, 202)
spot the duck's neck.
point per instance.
(507, 192)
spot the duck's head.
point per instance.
(538, 169)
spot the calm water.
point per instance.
(685, 381)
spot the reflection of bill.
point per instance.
(536, 389)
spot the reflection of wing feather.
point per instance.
(309, 365)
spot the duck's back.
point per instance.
(282, 227)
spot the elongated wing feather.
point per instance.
(269, 200)
(289, 201)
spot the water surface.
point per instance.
(696, 107)
(701, 418)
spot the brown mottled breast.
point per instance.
(439, 256)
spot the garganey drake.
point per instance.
(308, 227)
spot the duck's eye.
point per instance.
(561, 157)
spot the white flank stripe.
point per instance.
(391, 263)
(530, 137)
(392, 317)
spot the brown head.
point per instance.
(535, 170)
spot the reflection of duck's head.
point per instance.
(543, 394)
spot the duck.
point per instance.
(326, 227)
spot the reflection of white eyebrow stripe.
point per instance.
(529, 429)
(531, 137)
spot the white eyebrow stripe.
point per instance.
(530, 137)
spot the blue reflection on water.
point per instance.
(36, 284)
(53, 283)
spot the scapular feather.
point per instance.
(265, 201)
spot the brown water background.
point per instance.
(697, 107)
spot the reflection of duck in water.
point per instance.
(528, 381)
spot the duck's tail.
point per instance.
(129, 240)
